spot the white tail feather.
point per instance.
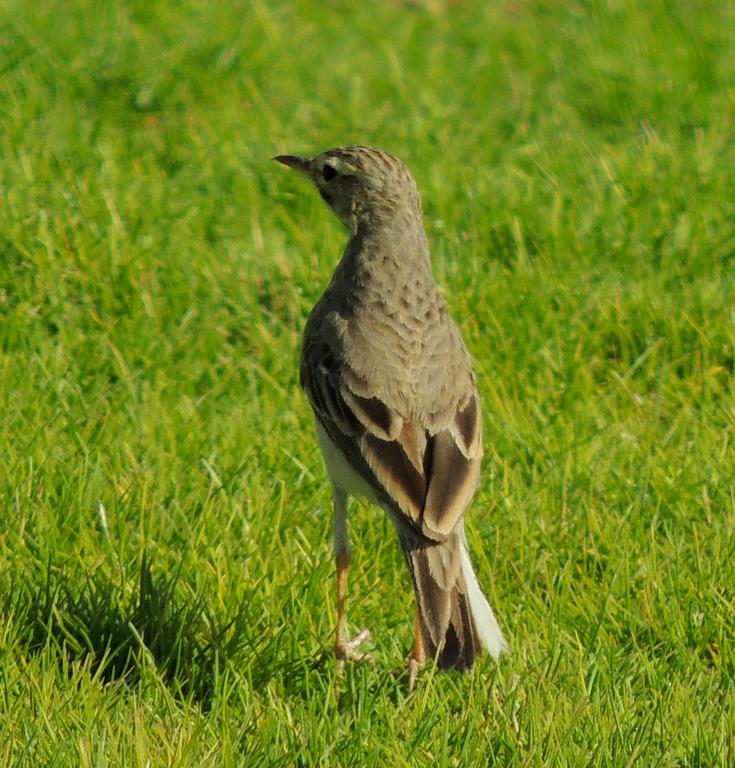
(487, 625)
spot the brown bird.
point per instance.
(396, 407)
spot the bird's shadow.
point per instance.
(119, 629)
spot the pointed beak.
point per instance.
(301, 164)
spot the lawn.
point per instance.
(166, 581)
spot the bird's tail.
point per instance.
(457, 621)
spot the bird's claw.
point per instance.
(413, 665)
(347, 650)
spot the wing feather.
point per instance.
(427, 476)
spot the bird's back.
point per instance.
(385, 330)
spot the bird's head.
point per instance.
(360, 184)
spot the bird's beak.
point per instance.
(301, 164)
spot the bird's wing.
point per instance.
(429, 475)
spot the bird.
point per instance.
(396, 406)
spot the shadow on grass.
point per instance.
(122, 629)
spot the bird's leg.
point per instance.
(344, 649)
(418, 654)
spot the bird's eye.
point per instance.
(328, 172)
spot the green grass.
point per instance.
(166, 591)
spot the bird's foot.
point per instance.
(413, 664)
(347, 650)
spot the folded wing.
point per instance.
(427, 475)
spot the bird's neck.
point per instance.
(389, 248)
(386, 268)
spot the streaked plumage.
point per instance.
(394, 397)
